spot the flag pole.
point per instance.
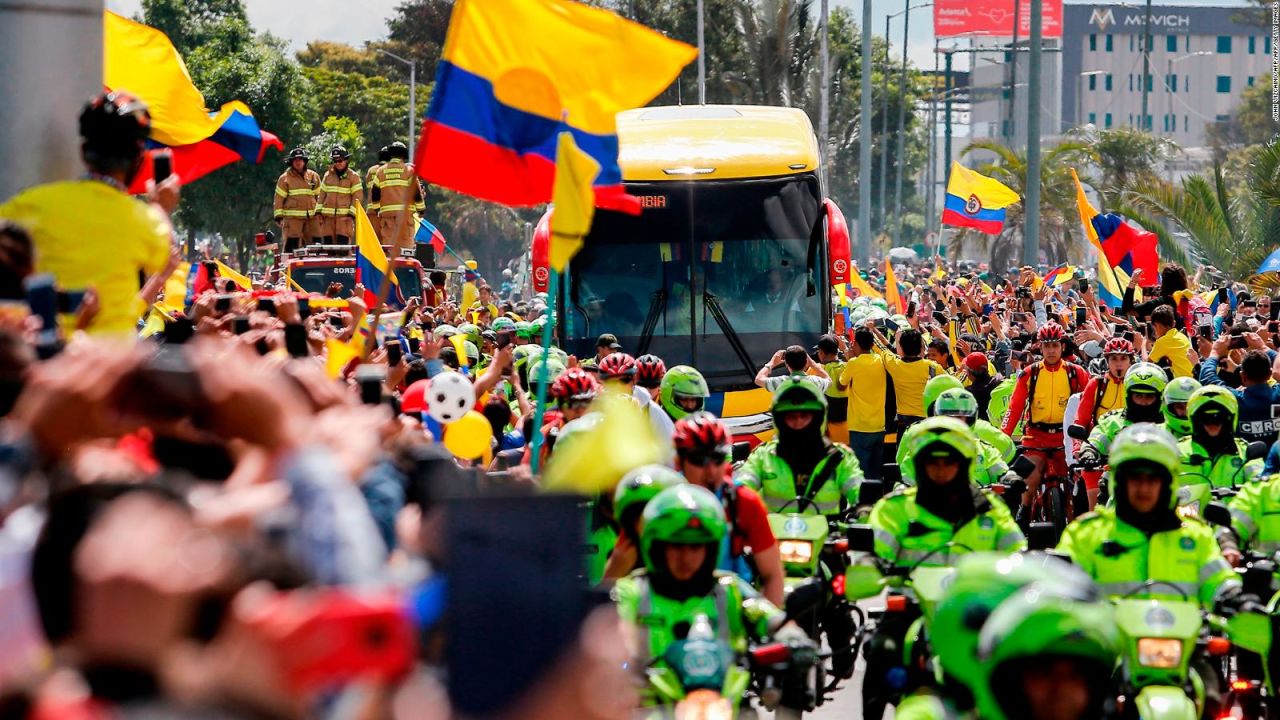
(539, 410)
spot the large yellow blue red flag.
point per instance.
(515, 73)
(1112, 279)
(976, 201)
(373, 269)
(892, 290)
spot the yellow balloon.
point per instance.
(469, 437)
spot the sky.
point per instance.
(300, 21)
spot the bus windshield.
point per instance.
(742, 256)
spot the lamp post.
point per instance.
(1169, 81)
(1031, 226)
(884, 115)
(1146, 66)
(864, 146)
(902, 115)
(413, 97)
(1080, 93)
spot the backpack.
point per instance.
(1076, 378)
(1194, 311)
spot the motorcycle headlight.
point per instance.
(704, 705)
(796, 551)
(1189, 511)
(1159, 652)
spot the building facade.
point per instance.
(1201, 59)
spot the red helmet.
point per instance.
(575, 384)
(617, 365)
(649, 371)
(1118, 346)
(1051, 332)
(702, 434)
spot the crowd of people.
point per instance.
(280, 505)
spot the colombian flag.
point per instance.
(429, 234)
(513, 74)
(1113, 278)
(1125, 246)
(1060, 275)
(976, 201)
(892, 290)
(372, 268)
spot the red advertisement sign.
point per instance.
(992, 18)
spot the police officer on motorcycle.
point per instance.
(1143, 385)
(1176, 396)
(1212, 453)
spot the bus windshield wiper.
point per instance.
(712, 303)
(651, 321)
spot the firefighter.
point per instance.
(383, 156)
(295, 203)
(339, 191)
(397, 195)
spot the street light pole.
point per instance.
(1031, 229)
(864, 146)
(702, 58)
(884, 133)
(902, 114)
(1146, 67)
(413, 98)
(824, 112)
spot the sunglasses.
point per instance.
(703, 459)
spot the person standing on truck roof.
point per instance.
(295, 203)
(338, 194)
(397, 195)
(383, 156)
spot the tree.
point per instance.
(337, 131)
(1126, 157)
(1059, 216)
(1250, 123)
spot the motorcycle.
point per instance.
(1195, 491)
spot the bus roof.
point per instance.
(715, 142)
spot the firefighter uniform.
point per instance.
(337, 212)
(397, 195)
(295, 203)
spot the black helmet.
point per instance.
(384, 154)
(399, 150)
(338, 152)
(114, 128)
(298, 152)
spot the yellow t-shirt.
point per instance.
(1173, 345)
(909, 378)
(87, 233)
(865, 382)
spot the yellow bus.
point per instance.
(732, 258)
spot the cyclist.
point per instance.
(573, 391)
(649, 372)
(703, 449)
(682, 530)
(943, 517)
(1143, 386)
(683, 391)
(1041, 395)
(634, 491)
(1212, 454)
(1142, 538)
(1176, 396)
(619, 370)
(801, 462)
(1106, 393)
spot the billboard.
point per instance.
(992, 18)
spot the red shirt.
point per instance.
(750, 523)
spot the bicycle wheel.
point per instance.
(1054, 511)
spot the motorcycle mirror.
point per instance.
(891, 474)
(804, 599)
(1256, 450)
(1041, 536)
(1023, 466)
(1077, 432)
(862, 538)
(862, 581)
(870, 491)
(1217, 514)
(741, 451)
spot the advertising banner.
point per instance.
(992, 18)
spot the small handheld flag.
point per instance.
(976, 201)
(429, 234)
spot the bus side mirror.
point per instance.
(1217, 514)
(1077, 432)
(1041, 536)
(741, 451)
(1256, 450)
(862, 538)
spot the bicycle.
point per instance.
(1058, 484)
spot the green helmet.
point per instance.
(472, 350)
(445, 331)
(957, 402)
(503, 324)
(1040, 622)
(1178, 391)
(471, 331)
(1145, 377)
(947, 431)
(935, 387)
(797, 394)
(637, 488)
(682, 383)
(981, 582)
(1214, 397)
(1144, 442)
(524, 329)
(553, 369)
(682, 515)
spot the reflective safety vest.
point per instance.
(995, 437)
(338, 195)
(1255, 515)
(296, 194)
(369, 176)
(733, 607)
(1108, 427)
(770, 476)
(986, 470)
(1121, 558)
(927, 705)
(1223, 471)
(396, 188)
(908, 535)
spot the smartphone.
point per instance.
(161, 165)
(1275, 309)
(1080, 316)
(240, 325)
(1238, 342)
(1273, 326)
(1127, 335)
(70, 302)
(395, 352)
(1083, 284)
(940, 318)
(267, 305)
(415, 346)
(42, 298)
(1205, 331)
(370, 378)
(337, 321)
(304, 308)
(223, 303)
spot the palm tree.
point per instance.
(782, 46)
(1233, 227)
(1059, 217)
(1127, 157)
